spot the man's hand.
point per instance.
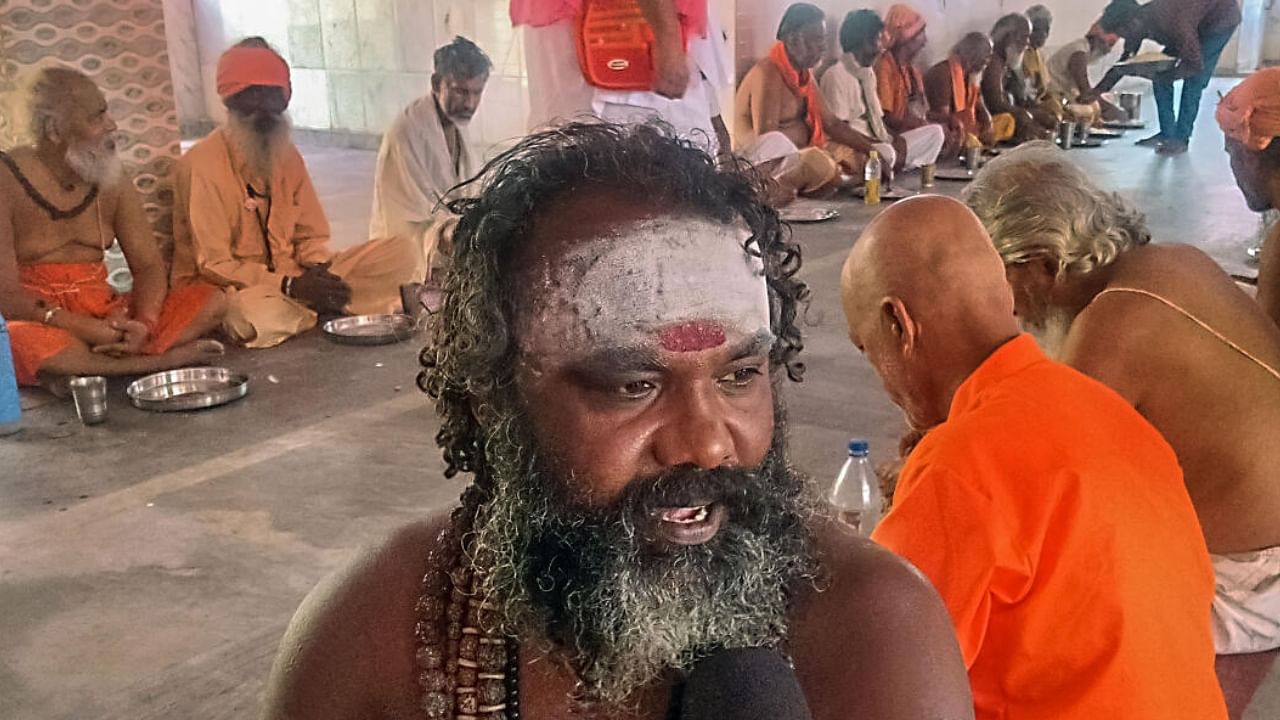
(133, 336)
(671, 69)
(93, 331)
(321, 290)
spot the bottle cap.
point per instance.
(875, 154)
(859, 447)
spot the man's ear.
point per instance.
(435, 82)
(900, 324)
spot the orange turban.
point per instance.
(243, 67)
(902, 23)
(1250, 113)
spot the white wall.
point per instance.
(356, 63)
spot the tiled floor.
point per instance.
(148, 565)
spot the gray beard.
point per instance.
(624, 613)
(95, 164)
(260, 150)
(1051, 334)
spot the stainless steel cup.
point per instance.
(973, 158)
(90, 395)
(1082, 131)
(926, 175)
(1131, 103)
(1066, 132)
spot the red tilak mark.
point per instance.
(691, 336)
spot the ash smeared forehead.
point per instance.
(690, 278)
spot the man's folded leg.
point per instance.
(375, 270)
(263, 317)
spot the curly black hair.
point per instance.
(468, 369)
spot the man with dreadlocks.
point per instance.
(607, 364)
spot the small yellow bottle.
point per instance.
(871, 177)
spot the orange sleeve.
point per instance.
(951, 531)
(311, 233)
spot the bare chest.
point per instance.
(53, 224)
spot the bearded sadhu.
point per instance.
(247, 218)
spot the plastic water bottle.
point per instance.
(871, 176)
(856, 494)
(10, 406)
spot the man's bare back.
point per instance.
(764, 104)
(1217, 408)
(350, 650)
(39, 238)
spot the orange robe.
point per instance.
(82, 288)
(1053, 520)
(896, 84)
(219, 238)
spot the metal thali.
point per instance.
(188, 389)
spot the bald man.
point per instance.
(1048, 513)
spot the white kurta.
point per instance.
(415, 170)
(850, 93)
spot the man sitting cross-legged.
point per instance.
(898, 80)
(247, 219)
(782, 123)
(850, 90)
(1165, 327)
(62, 203)
(424, 154)
(955, 100)
(617, 323)
(1004, 89)
(1048, 513)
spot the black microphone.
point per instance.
(743, 684)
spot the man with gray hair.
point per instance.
(63, 202)
(1034, 71)
(1168, 329)
(424, 153)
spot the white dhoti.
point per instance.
(690, 115)
(923, 146)
(557, 90)
(1246, 604)
(805, 169)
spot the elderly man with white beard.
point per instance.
(247, 218)
(63, 201)
(1168, 329)
(618, 321)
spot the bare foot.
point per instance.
(199, 352)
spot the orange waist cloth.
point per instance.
(1054, 522)
(802, 84)
(82, 288)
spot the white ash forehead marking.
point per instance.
(646, 275)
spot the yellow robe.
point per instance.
(219, 238)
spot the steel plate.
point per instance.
(188, 389)
(370, 329)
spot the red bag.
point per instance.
(616, 43)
